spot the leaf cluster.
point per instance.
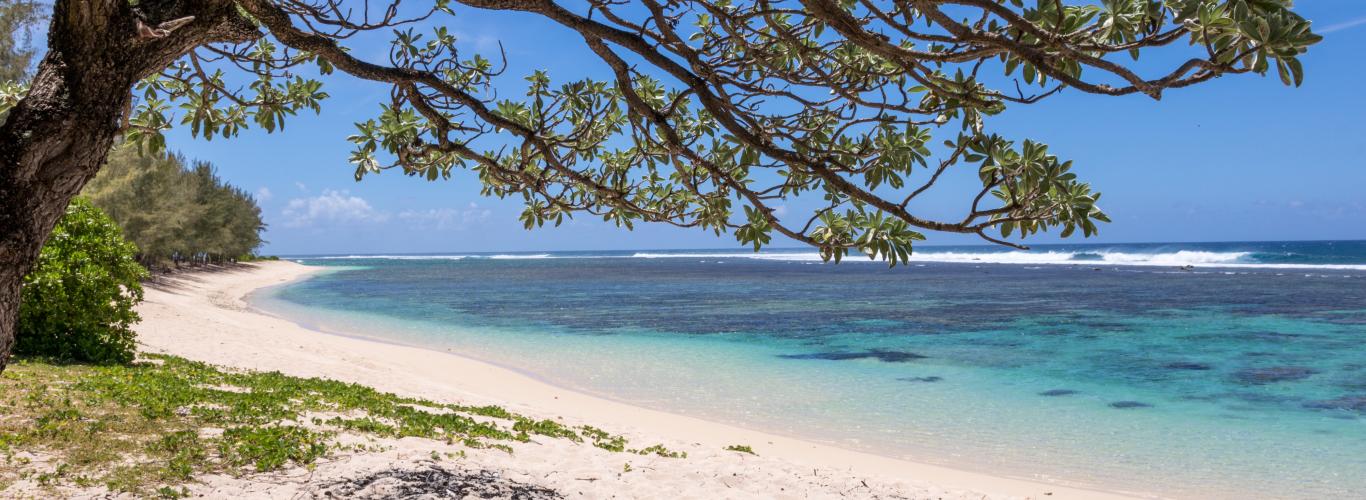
(819, 120)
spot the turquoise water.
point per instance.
(1244, 376)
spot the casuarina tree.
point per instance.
(707, 113)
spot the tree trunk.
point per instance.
(54, 142)
(10, 279)
(55, 139)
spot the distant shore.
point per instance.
(202, 316)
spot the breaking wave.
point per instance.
(1088, 257)
(1181, 258)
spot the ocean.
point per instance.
(1211, 370)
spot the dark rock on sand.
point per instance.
(1259, 376)
(435, 482)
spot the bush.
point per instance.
(78, 301)
(251, 257)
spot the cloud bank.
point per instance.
(331, 207)
(340, 207)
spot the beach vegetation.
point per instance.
(741, 448)
(78, 301)
(603, 439)
(150, 427)
(177, 211)
(661, 451)
(860, 106)
(18, 20)
(251, 257)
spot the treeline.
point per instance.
(176, 211)
(18, 18)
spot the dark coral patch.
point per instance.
(1187, 365)
(1256, 397)
(878, 354)
(921, 379)
(1058, 392)
(1271, 336)
(1259, 376)
(1349, 403)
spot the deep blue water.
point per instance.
(1111, 366)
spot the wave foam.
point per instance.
(518, 256)
(391, 257)
(793, 256)
(436, 257)
(1180, 258)
(1193, 258)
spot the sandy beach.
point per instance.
(203, 316)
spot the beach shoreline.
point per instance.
(204, 316)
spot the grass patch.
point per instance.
(148, 428)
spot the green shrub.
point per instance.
(78, 301)
(251, 257)
(742, 448)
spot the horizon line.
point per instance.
(744, 248)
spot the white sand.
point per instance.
(203, 317)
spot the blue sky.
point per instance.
(1240, 158)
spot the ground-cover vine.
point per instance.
(152, 426)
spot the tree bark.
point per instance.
(10, 279)
(56, 138)
(55, 141)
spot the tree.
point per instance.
(150, 197)
(713, 111)
(78, 301)
(17, 19)
(174, 211)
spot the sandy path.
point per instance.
(203, 317)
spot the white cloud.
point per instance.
(1341, 26)
(482, 42)
(302, 187)
(340, 207)
(331, 207)
(1326, 209)
(441, 219)
(263, 194)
